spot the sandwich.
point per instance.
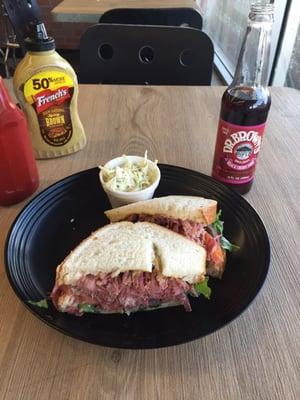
(127, 267)
(196, 218)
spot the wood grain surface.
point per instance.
(254, 357)
(90, 11)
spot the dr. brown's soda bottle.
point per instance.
(245, 106)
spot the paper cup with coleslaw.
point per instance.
(129, 179)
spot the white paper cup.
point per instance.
(118, 198)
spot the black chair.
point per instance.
(138, 54)
(153, 16)
(20, 14)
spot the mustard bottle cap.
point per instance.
(38, 39)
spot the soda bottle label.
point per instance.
(236, 152)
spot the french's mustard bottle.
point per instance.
(47, 89)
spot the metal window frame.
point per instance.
(286, 43)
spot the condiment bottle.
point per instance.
(47, 89)
(18, 171)
(245, 106)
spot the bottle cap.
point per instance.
(38, 39)
(262, 8)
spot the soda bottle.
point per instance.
(18, 170)
(245, 105)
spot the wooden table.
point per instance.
(254, 357)
(91, 10)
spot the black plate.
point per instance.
(55, 221)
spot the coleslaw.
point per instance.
(129, 176)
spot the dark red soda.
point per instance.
(244, 106)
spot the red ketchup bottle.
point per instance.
(245, 106)
(18, 170)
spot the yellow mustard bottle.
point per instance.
(47, 89)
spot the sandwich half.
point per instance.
(127, 267)
(191, 216)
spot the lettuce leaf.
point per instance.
(203, 288)
(42, 303)
(226, 245)
(219, 227)
(88, 308)
(218, 224)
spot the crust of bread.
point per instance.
(193, 208)
(125, 246)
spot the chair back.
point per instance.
(137, 54)
(153, 16)
(21, 13)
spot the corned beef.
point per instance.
(126, 292)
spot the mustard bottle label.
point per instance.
(50, 93)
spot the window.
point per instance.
(287, 68)
(293, 73)
(225, 22)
